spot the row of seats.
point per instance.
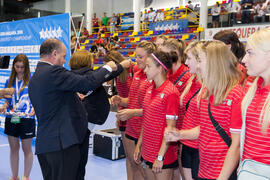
(136, 38)
(130, 43)
(144, 33)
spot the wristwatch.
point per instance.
(160, 158)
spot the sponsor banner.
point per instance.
(26, 36)
(176, 25)
(243, 32)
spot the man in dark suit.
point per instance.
(62, 123)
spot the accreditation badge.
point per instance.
(15, 119)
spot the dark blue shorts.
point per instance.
(25, 129)
(190, 159)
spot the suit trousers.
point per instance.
(83, 156)
(60, 165)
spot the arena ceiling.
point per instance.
(16, 9)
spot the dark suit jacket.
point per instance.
(61, 117)
(96, 104)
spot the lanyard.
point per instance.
(15, 103)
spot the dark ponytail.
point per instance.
(165, 58)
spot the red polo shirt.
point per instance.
(136, 95)
(257, 144)
(123, 87)
(159, 104)
(180, 85)
(191, 118)
(212, 148)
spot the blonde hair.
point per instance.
(259, 41)
(149, 47)
(80, 59)
(161, 37)
(194, 48)
(117, 58)
(222, 73)
(178, 46)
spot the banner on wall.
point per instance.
(243, 32)
(26, 36)
(175, 25)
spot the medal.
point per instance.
(15, 118)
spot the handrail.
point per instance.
(174, 17)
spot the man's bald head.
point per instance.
(53, 51)
(48, 46)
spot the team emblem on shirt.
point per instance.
(180, 83)
(161, 95)
(229, 102)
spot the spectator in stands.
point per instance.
(99, 40)
(215, 11)
(101, 50)
(246, 10)
(94, 48)
(108, 44)
(115, 42)
(105, 20)
(19, 126)
(113, 21)
(151, 15)
(260, 13)
(160, 40)
(85, 33)
(190, 6)
(72, 44)
(95, 23)
(233, 8)
(102, 28)
(159, 16)
(118, 22)
(144, 20)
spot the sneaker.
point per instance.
(25, 178)
(13, 178)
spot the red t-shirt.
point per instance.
(99, 41)
(191, 118)
(180, 85)
(159, 104)
(212, 148)
(136, 95)
(257, 144)
(95, 21)
(85, 33)
(123, 87)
